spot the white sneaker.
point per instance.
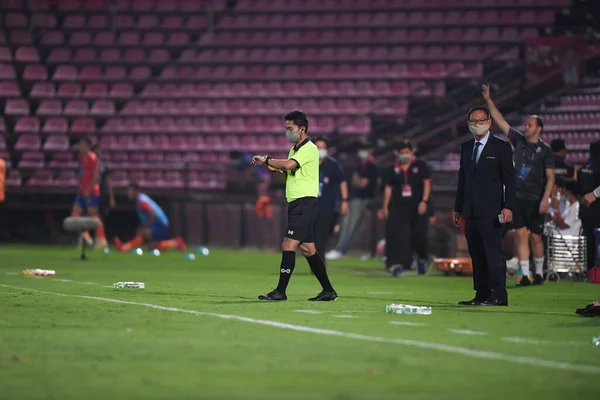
(512, 266)
(333, 255)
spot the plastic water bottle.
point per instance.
(190, 256)
(596, 340)
(129, 285)
(407, 309)
(155, 252)
(39, 272)
(203, 250)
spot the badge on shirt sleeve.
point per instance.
(326, 180)
(406, 191)
(415, 170)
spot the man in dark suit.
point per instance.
(486, 189)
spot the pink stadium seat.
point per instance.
(76, 108)
(65, 73)
(9, 89)
(16, 107)
(27, 55)
(103, 108)
(83, 126)
(66, 178)
(95, 91)
(14, 178)
(53, 38)
(115, 73)
(49, 107)
(20, 37)
(55, 125)
(27, 125)
(41, 178)
(121, 91)
(84, 55)
(59, 56)
(35, 73)
(56, 143)
(62, 159)
(7, 72)
(5, 54)
(32, 160)
(28, 142)
(69, 90)
(75, 21)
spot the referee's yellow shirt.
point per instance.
(303, 181)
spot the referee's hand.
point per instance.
(258, 160)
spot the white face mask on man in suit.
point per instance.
(479, 130)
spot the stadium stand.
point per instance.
(198, 78)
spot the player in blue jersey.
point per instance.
(154, 228)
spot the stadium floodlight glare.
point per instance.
(80, 224)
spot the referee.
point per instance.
(301, 175)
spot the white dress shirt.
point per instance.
(482, 142)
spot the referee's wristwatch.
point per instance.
(267, 158)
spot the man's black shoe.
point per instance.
(524, 281)
(474, 302)
(494, 302)
(273, 296)
(325, 296)
(590, 311)
(538, 280)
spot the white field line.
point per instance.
(466, 332)
(308, 311)
(481, 354)
(343, 316)
(406, 323)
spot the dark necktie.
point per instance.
(475, 151)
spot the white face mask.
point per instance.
(363, 155)
(404, 158)
(322, 153)
(479, 130)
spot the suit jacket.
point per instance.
(484, 190)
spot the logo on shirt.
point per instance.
(290, 232)
(326, 180)
(415, 170)
(286, 271)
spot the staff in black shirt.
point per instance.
(405, 208)
(562, 168)
(588, 181)
(534, 170)
(362, 191)
(332, 184)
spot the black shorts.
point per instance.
(527, 214)
(301, 218)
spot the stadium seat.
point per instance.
(9, 89)
(41, 178)
(56, 143)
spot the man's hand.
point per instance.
(588, 198)
(422, 208)
(456, 219)
(258, 160)
(383, 214)
(485, 92)
(544, 206)
(508, 215)
(344, 208)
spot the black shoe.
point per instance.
(524, 281)
(325, 296)
(273, 296)
(538, 280)
(474, 302)
(590, 311)
(494, 302)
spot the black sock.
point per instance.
(288, 263)
(317, 266)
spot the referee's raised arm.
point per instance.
(301, 170)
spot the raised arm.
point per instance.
(497, 116)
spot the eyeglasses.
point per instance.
(478, 121)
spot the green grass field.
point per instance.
(198, 332)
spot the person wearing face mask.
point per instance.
(362, 191)
(485, 198)
(300, 171)
(333, 189)
(534, 167)
(564, 209)
(405, 209)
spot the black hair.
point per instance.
(479, 108)
(134, 186)
(558, 145)
(86, 140)
(569, 184)
(298, 118)
(405, 144)
(538, 122)
(95, 147)
(322, 139)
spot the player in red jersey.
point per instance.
(88, 196)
